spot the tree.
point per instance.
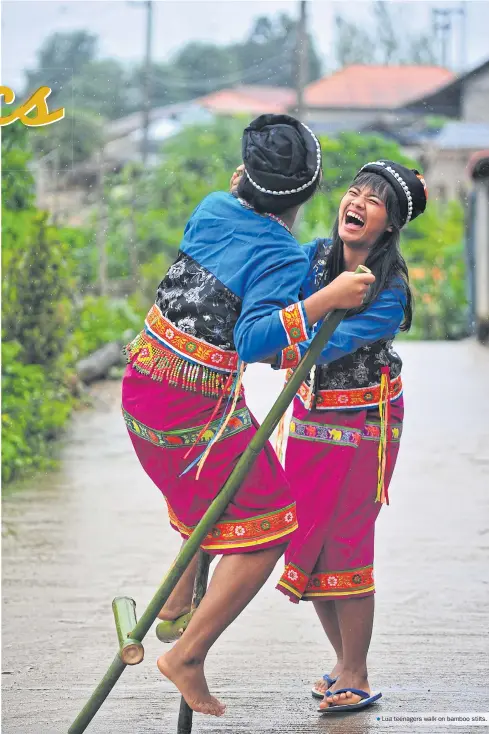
(101, 86)
(272, 43)
(266, 56)
(166, 86)
(17, 181)
(387, 39)
(353, 44)
(61, 57)
(71, 140)
(37, 290)
(386, 43)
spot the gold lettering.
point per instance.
(38, 102)
(9, 97)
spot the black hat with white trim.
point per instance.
(282, 156)
(409, 185)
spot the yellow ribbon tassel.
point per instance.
(279, 446)
(384, 425)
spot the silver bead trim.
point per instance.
(300, 188)
(398, 178)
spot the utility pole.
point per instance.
(442, 23)
(442, 26)
(147, 82)
(302, 56)
(463, 37)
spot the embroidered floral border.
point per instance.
(355, 398)
(243, 533)
(327, 583)
(310, 431)
(290, 357)
(294, 579)
(341, 583)
(294, 323)
(195, 349)
(239, 421)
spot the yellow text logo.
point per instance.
(37, 102)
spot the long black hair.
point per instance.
(384, 259)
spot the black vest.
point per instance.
(198, 303)
(362, 369)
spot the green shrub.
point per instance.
(35, 408)
(101, 320)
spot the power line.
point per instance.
(242, 75)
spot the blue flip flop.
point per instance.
(329, 680)
(367, 700)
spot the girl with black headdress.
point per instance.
(347, 423)
(231, 297)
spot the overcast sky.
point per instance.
(120, 25)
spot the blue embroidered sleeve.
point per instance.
(380, 321)
(272, 316)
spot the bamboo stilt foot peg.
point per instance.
(131, 651)
(170, 631)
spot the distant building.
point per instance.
(249, 99)
(124, 135)
(445, 159)
(463, 98)
(446, 156)
(355, 96)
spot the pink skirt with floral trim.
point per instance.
(332, 465)
(164, 422)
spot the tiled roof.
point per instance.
(251, 99)
(375, 87)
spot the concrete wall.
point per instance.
(445, 172)
(481, 247)
(352, 119)
(475, 98)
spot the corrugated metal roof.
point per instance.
(463, 136)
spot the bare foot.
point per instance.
(346, 679)
(321, 686)
(189, 678)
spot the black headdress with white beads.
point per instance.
(282, 156)
(408, 184)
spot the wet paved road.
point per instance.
(97, 528)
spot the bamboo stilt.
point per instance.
(185, 716)
(131, 651)
(216, 509)
(167, 631)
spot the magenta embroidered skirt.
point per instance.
(332, 464)
(164, 422)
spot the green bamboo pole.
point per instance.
(212, 515)
(200, 587)
(131, 651)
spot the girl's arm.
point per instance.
(273, 318)
(380, 321)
